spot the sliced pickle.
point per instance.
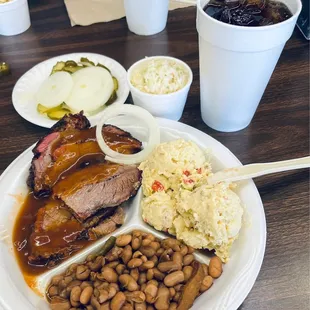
(56, 115)
(112, 98)
(71, 63)
(102, 66)
(58, 67)
(72, 69)
(109, 244)
(87, 61)
(115, 81)
(42, 109)
(65, 107)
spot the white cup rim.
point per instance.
(185, 65)
(249, 28)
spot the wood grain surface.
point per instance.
(279, 130)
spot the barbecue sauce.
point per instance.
(23, 235)
(89, 175)
(24, 224)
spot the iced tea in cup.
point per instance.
(236, 63)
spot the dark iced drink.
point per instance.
(248, 12)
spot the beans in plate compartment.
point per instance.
(135, 271)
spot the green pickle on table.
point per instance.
(4, 69)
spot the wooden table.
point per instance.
(279, 130)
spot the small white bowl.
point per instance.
(14, 17)
(170, 105)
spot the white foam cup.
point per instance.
(236, 63)
(14, 17)
(146, 17)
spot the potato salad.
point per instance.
(179, 200)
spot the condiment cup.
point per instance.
(146, 17)
(14, 17)
(236, 63)
(170, 105)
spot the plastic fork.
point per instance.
(256, 170)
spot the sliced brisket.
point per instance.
(54, 231)
(70, 139)
(57, 234)
(52, 216)
(43, 151)
(96, 187)
(110, 224)
(71, 121)
(98, 217)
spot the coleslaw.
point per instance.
(160, 76)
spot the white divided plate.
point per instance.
(227, 293)
(23, 96)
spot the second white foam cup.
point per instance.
(235, 65)
(146, 17)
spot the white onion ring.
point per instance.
(146, 117)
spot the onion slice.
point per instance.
(130, 110)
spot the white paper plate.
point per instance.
(227, 293)
(27, 86)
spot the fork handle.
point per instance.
(256, 170)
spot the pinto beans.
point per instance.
(215, 267)
(187, 270)
(188, 259)
(169, 266)
(123, 240)
(162, 299)
(109, 274)
(174, 278)
(140, 272)
(75, 296)
(128, 282)
(86, 295)
(118, 301)
(82, 273)
(134, 263)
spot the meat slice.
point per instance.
(71, 121)
(50, 217)
(98, 217)
(71, 139)
(121, 141)
(68, 156)
(44, 148)
(95, 187)
(40, 162)
(110, 224)
(57, 234)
